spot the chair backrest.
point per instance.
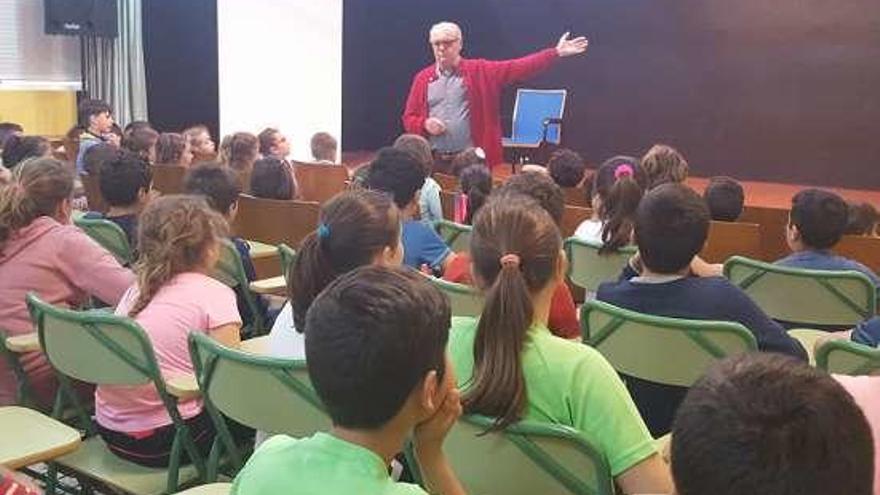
(457, 236)
(464, 299)
(230, 270)
(587, 268)
(576, 196)
(109, 235)
(447, 182)
(671, 351)
(572, 216)
(810, 297)
(531, 108)
(772, 223)
(447, 204)
(728, 239)
(865, 249)
(168, 179)
(319, 182)
(93, 193)
(526, 458)
(273, 221)
(269, 394)
(286, 254)
(845, 357)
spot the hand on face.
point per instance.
(431, 432)
(568, 47)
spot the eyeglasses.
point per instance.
(444, 43)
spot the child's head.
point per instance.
(136, 125)
(173, 149)
(725, 197)
(356, 228)
(419, 148)
(672, 223)
(566, 168)
(95, 116)
(817, 221)
(272, 179)
(862, 219)
(398, 173)
(662, 164)
(323, 147)
(96, 156)
(516, 251)
(466, 158)
(476, 183)
(539, 187)
(42, 188)
(218, 184)
(176, 234)
(8, 129)
(376, 348)
(273, 143)
(142, 142)
(18, 148)
(243, 151)
(767, 424)
(126, 181)
(618, 187)
(200, 142)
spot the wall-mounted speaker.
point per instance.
(82, 17)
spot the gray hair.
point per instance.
(445, 28)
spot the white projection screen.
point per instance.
(280, 65)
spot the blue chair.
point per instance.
(537, 120)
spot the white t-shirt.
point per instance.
(590, 230)
(284, 341)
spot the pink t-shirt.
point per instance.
(190, 301)
(865, 390)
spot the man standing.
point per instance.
(455, 102)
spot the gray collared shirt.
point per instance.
(447, 101)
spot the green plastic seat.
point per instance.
(464, 299)
(287, 255)
(109, 235)
(587, 268)
(845, 357)
(230, 270)
(23, 392)
(268, 394)
(457, 236)
(670, 351)
(805, 297)
(103, 349)
(526, 458)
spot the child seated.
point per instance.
(862, 219)
(41, 252)
(663, 164)
(618, 187)
(725, 198)
(672, 223)
(272, 179)
(763, 424)
(375, 344)
(126, 183)
(174, 295)
(323, 147)
(511, 367)
(566, 168)
(475, 183)
(399, 174)
(430, 209)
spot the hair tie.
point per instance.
(623, 170)
(323, 231)
(510, 259)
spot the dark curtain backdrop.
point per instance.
(785, 90)
(180, 54)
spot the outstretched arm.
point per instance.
(509, 71)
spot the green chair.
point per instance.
(526, 458)
(805, 297)
(845, 357)
(464, 299)
(287, 255)
(587, 268)
(455, 235)
(101, 348)
(230, 270)
(109, 235)
(268, 394)
(23, 392)
(663, 350)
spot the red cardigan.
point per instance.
(484, 80)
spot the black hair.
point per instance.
(217, 183)
(619, 185)
(419, 148)
(566, 168)
(95, 157)
(862, 219)
(820, 217)
(355, 226)
(135, 125)
(466, 158)
(8, 129)
(398, 173)
(89, 108)
(475, 181)
(272, 179)
(539, 187)
(725, 198)
(371, 338)
(123, 177)
(18, 148)
(672, 223)
(768, 424)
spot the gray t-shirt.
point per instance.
(447, 101)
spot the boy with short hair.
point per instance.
(376, 351)
(725, 198)
(126, 184)
(566, 167)
(671, 226)
(97, 119)
(762, 424)
(323, 147)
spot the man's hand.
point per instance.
(567, 47)
(434, 126)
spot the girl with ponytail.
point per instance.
(179, 239)
(511, 367)
(41, 252)
(476, 184)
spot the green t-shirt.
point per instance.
(320, 464)
(571, 384)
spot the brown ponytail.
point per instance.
(619, 184)
(37, 188)
(515, 248)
